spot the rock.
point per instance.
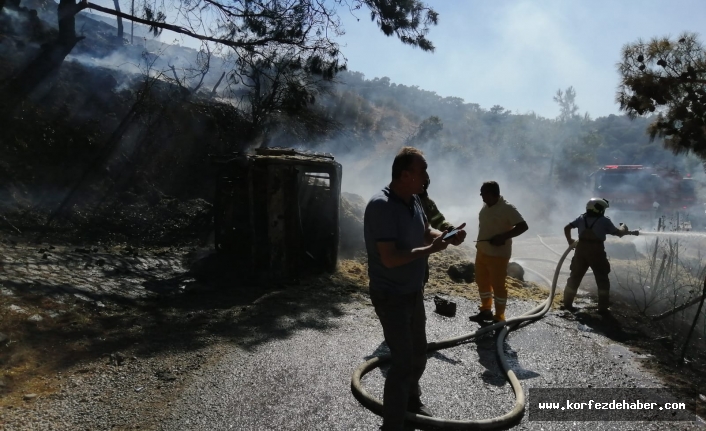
(117, 359)
(166, 375)
(3, 338)
(29, 397)
(17, 309)
(444, 306)
(83, 297)
(35, 318)
(584, 328)
(516, 271)
(462, 271)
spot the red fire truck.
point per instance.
(645, 193)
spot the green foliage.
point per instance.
(409, 20)
(667, 77)
(158, 17)
(304, 29)
(427, 130)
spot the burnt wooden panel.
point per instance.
(277, 213)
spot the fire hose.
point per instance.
(513, 416)
(509, 418)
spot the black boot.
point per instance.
(482, 316)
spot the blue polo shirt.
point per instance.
(389, 218)
(601, 226)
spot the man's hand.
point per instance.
(439, 244)
(572, 243)
(459, 237)
(623, 230)
(497, 240)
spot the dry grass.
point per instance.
(355, 272)
(30, 354)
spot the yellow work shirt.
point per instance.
(499, 218)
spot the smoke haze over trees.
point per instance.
(133, 120)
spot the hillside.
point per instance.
(130, 127)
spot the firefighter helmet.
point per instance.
(597, 205)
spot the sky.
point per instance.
(517, 54)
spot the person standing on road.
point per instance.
(498, 223)
(593, 227)
(434, 216)
(398, 240)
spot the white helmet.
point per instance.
(597, 205)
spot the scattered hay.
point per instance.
(351, 224)
(354, 273)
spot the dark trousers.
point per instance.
(404, 325)
(590, 255)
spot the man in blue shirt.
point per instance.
(399, 239)
(593, 227)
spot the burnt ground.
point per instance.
(67, 310)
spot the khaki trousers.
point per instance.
(491, 272)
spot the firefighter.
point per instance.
(593, 227)
(436, 219)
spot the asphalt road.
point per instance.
(303, 382)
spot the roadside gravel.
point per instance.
(294, 373)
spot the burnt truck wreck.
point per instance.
(277, 212)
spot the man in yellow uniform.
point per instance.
(498, 223)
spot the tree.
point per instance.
(499, 110)
(567, 104)
(47, 61)
(574, 143)
(427, 130)
(279, 83)
(667, 77)
(250, 28)
(116, 3)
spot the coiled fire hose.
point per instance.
(510, 418)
